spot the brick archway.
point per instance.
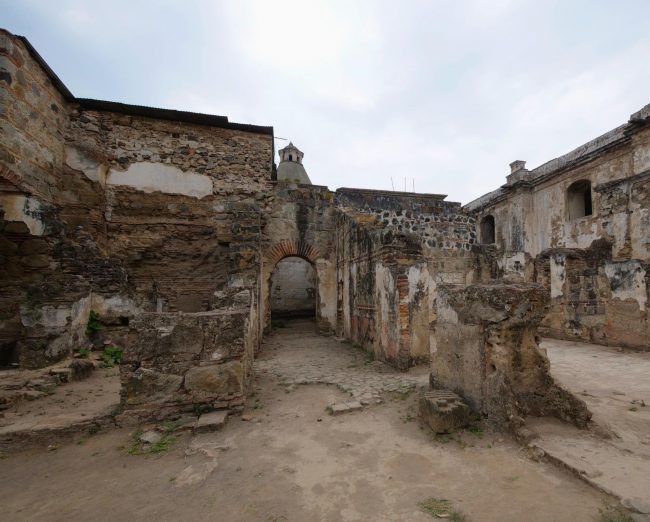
(272, 256)
(288, 248)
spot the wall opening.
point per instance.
(488, 235)
(294, 289)
(579, 199)
(8, 356)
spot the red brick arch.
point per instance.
(290, 248)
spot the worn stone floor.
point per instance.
(296, 355)
(615, 384)
(292, 461)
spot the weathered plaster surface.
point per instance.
(25, 209)
(627, 280)
(157, 177)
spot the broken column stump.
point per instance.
(486, 350)
(443, 411)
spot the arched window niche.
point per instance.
(579, 199)
(488, 235)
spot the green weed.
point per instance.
(111, 356)
(94, 324)
(611, 513)
(441, 508)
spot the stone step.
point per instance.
(213, 421)
(344, 407)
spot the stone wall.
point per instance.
(102, 202)
(32, 123)
(300, 221)
(176, 362)
(393, 249)
(486, 350)
(594, 265)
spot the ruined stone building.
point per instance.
(177, 229)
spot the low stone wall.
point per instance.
(177, 362)
(486, 350)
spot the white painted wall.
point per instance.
(293, 286)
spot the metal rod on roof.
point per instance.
(392, 184)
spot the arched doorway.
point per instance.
(294, 289)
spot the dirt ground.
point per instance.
(294, 462)
(615, 384)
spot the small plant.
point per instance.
(441, 508)
(369, 357)
(111, 356)
(611, 513)
(170, 426)
(200, 409)
(139, 448)
(84, 353)
(476, 431)
(94, 324)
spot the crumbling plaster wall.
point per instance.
(596, 266)
(392, 251)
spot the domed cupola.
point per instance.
(291, 167)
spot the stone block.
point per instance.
(146, 386)
(443, 411)
(215, 380)
(62, 374)
(213, 421)
(81, 369)
(345, 407)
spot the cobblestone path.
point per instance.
(298, 355)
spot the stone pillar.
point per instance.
(487, 352)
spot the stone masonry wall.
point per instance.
(177, 362)
(106, 203)
(390, 261)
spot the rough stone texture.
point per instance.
(487, 351)
(174, 362)
(393, 249)
(443, 411)
(213, 421)
(344, 407)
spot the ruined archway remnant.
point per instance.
(293, 289)
(272, 257)
(488, 235)
(292, 249)
(579, 199)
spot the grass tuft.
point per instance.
(442, 508)
(613, 513)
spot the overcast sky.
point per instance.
(443, 93)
